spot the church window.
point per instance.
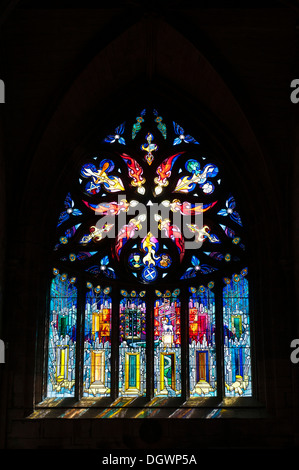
(149, 293)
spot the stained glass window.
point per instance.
(150, 294)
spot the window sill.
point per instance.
(128, 408)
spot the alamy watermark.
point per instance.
(295, 93)
(168, 219)
(2, 92)
(295, 353)
(2, 351)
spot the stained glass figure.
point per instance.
(236, 326)
(219, 256)
(202, 343)
(160, 125)
(111, 208)
(135, 260)
(197, 268)
(167, 344)
(230, 233)
(97, 342)
(198, 176)
(69, 233)
(62, 336)
(81, 256)
(147, 261)
(107, 270)
(132, 344)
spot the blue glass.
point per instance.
(62, 337)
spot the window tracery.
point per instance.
(152, 239)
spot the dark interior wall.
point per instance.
(229, 70)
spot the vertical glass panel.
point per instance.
(202, 348)
(167, 344)
(237, 362)
(132, 344)
(62, 337)
(97, 343)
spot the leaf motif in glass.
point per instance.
(230, 211)
(135, 172)
(167, 345)
(69, 210)
(160, 125)
(82, 255)
(236, 330)
(137, 126)
(97, 343)
(116, 137)
(181, 136)
(100, 178)
(198, 177)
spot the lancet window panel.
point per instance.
(97, 342)
(167, 344)
(132, 344)
(61, 369)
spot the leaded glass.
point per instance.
(62, 336)
(236, 325)
(132, 344)
(151, 208)
(167, 344)
(202, 342)
(97, 342)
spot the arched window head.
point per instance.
(151, 251)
